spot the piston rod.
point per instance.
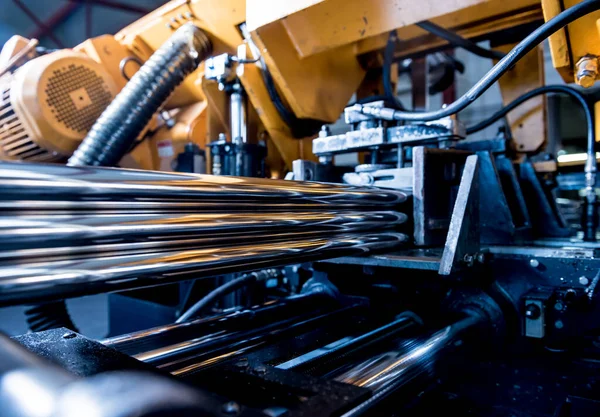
(389, 371)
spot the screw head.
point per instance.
(534, 263)
(558, 306)
(532, 312)
(559, 324)
(584, 281)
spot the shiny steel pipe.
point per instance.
(256, 316)
(45, 182)
(42, 231)
(416, 357)
(51, 279)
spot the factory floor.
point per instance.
(90, 315)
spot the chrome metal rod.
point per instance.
(257, 338)
(137, 342)
(42, 280)
(403, 365)
(344, 346)
(21, 181)
(237, 116)
(38, 231)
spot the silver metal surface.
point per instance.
(396, 178)
(406, 363)
(51, 278)
(349, 142)
(35, 231)
(237, 116)
(410, 134)
(71, 231)
(443, 129)
(94, 187)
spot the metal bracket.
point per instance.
(463, 238)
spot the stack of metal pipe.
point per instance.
(70, 231)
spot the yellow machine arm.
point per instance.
(317, 53)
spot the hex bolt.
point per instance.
(584, 281)
(534, 263)
(586, 71)
(231, 408)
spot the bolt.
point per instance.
(324, 132)
(558, 306)
(469, 259)
(559, 324)
(534, 263)
(584, 281)
(532, 312)
(242, 363)
(260, 369)
(231, 407)
(481, 258)
(69, 335)
(587, 71)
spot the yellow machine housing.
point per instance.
(49, 104)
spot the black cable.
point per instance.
(590, 213)
(216, 294)
(300, 128)
(388, 60)
(458, 41)
(518, 52)
(561, 89)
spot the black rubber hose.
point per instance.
(589, 221)
(458, 41)
(561, 89)
(126, 117)
(218, 293)
(49, 316)
(518, 52)
(299, 128)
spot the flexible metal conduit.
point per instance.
(125, 118)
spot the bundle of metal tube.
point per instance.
(70, 231)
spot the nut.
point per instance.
(587, 71)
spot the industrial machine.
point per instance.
(190, 166)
